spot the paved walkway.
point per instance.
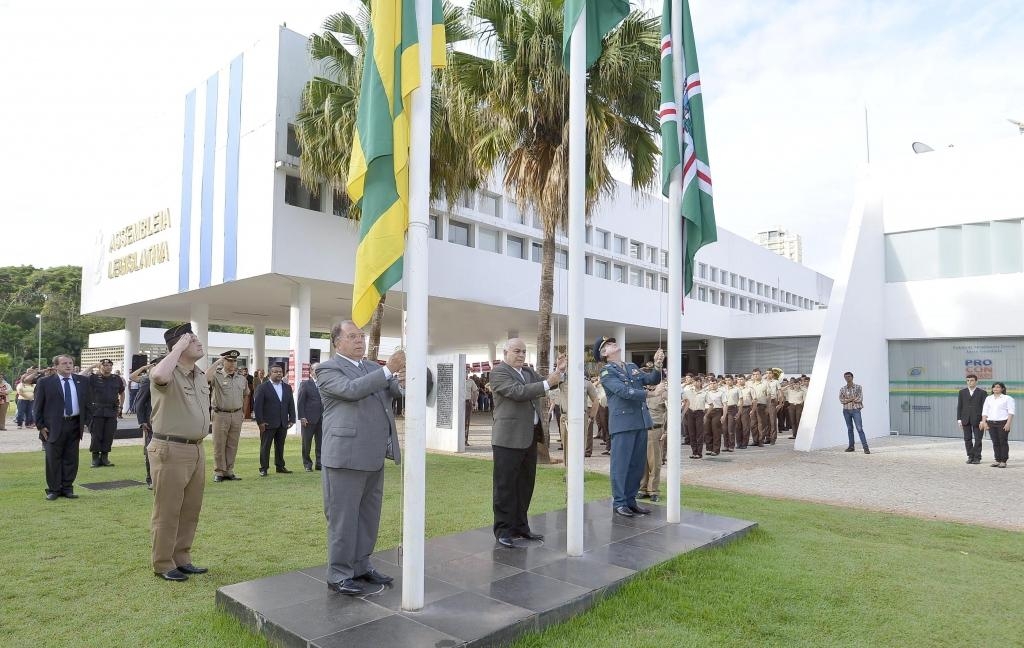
(920, 476)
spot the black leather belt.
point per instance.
(73, 417)
(220, 411)
(174, 439)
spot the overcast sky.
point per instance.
(93, 97)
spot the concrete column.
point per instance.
(200, 319)
(716, 356)
(132, 326)
(620, 339)
(259, 347)
(492, 352)
(298, 329)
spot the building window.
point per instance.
(458, 233)
(601, 268)
(743, 284)
(588, 264)
(589, 235)
(702, 270)
(488, 239)
(760, 289)
(514, 246)
(636, 250)
(341, 206)
(664, 258)
(297, 195)
(619, 273)
(467, 201)
(651, 281)
(775, 293)
(636, 277)
(750, 305)
(725, 277)
(722, 297)
(435, 227)
(714, 296)
(735, 280)
(536, 252)
(561, 258)
(652, 255)
(732, 301)
(488, 204)
(702, 293)
(604, 240)
(714, 274)
(292, 147)
(620, 244)
(511, 212)
(743, 303)
(664, 284)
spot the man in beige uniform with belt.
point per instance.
(230, 390)
(181, 418)
(762, 431)
(795, 396)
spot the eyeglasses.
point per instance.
(354, 336)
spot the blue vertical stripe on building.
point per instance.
(206, 205)
(231, 171)
(185, 224)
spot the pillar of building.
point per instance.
(200, 320)
(492, 352)
(132, 328)
(716, 356)
(298, 331)
(259, 347)
(620, 339)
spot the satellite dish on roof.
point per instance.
(921, 147)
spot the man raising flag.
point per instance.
(690, 148)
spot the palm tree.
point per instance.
(329, 105)
(521, 92)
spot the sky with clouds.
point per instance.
(93, 94)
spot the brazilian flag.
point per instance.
(378, 180)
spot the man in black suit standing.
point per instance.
(274, 407)
(311, 410)
(60, 412)
(968, 416)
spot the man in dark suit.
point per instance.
(518, 424)
(311, 410)
(968, 416)
(359, 434)
(274, 407)
(60, 406)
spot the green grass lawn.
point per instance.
(77, 573)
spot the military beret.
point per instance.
(599, 344)
(230, 355)
(172, 334)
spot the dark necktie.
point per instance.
(67, 397)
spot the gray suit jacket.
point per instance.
(515, 403)
(358, 419)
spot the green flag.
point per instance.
(602, 17)
(698, 210)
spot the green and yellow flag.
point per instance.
(378, 177)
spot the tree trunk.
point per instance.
(546, 299)
(373, 348)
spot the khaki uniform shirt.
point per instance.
(181, 408)
(700, 401)
(716, 398)
(773, 390)
(228, 391)
(732, 396)
(602, 398)
(796, 395)
(760, 390)
(687, 395)
(657, 404)
(746, 396)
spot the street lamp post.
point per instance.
(39, 356)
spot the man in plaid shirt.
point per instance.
(852, 398)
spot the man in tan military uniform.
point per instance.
(762, 432)
(689, 390)
(746, 404)
(697, 410)
(774, 399)
(181, 419)
(796, 395)
(230, 391)
(732, 411)
(715, 417)
(657, 405)
(560, 396)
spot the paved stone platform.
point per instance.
(477, 593)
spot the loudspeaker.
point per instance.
(139, 360)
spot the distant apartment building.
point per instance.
(782, 243)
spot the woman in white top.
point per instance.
(996, 417)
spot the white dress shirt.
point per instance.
(75, 411)
(279, 389)
(998, 408)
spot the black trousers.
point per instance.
(515, 472)
(1000, 440)
(973, 435)
(102, 429)
(312, 433)
(274, 436)
(62, 458)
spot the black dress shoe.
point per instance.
(233, 478)
(348, 586)
(375, 577)
(624, 511)
(263, 472)
(850, 449)
(219, 478)
(173, 575)
(317, 467)
(866, 451)
(970, 460)
(105, 462)
(642, 496)
(283, 470)
(640, 510)
(530, 535)
(189, 568)
(69, 495)
(51, 496)
(507, 542)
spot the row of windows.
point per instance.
(744, 284)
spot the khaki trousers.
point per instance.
(773, 423)
(762, 430)
(179, 476)
(652, 471)
(715, 444)
(743, 430)
(732, 424)
(795, 411)
(227, 428)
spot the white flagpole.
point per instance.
(676, 254)
(577, 263)
(414, 475)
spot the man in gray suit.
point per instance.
(358, 434)
(518, 418)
